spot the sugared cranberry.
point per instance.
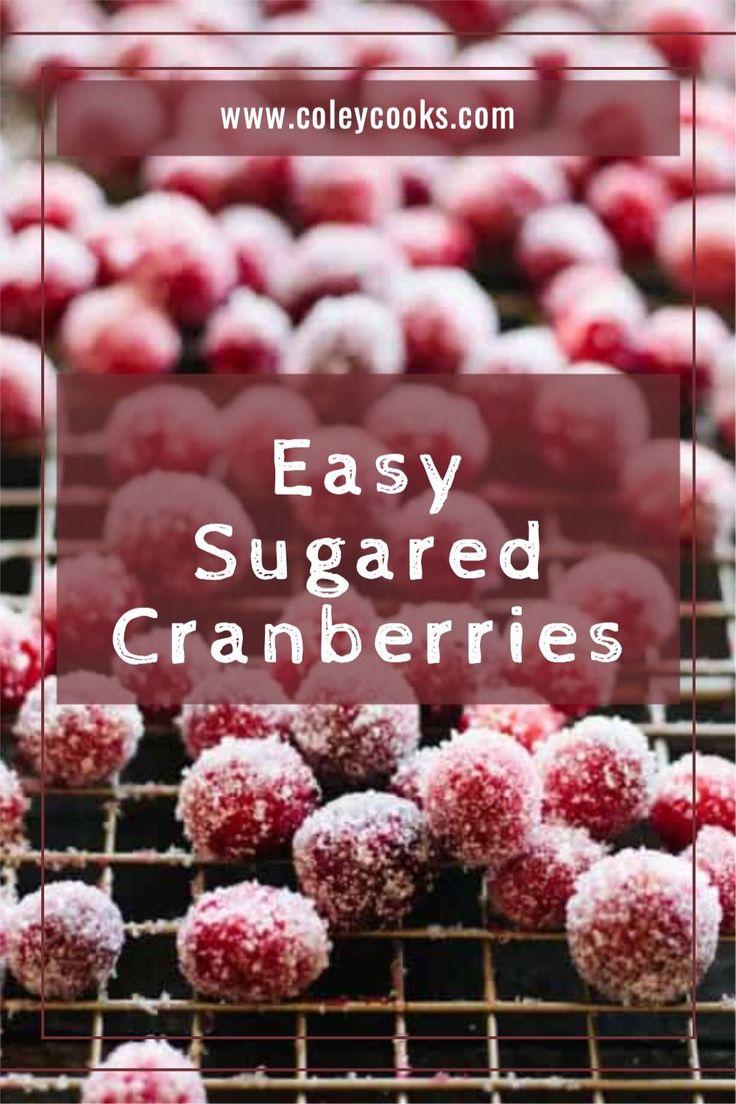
(411, 777)
(69, 196)
(149, 1072)
(261, 243)
(21, 414)
(604, 326)
(252, 942)
(430, 238)
(79, 932)
(343, 189)
(345, 335)
(161, 687)
(248, 334)
(666, 343)
(69, 270)
(564, 234)
(77, 745)
(245, 797)
(532, 890)
(713, 266)
(715, 855)
(630, 927)
(97, 336)
(363, 859)
(692, 792)
(229, 703)
(678, 28)
(205, 179)
(483, 798)
(630, 200)
(597, 775)
(529, 721)
(23, 647)
(13, 805)
(96, 590)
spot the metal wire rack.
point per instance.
(452, 1008)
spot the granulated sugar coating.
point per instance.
(83, 939)
(216, 714)
(483, 798)
(245, 797)
(161, 687)
(530, 720)
(82, 744)
(715, 855)
(363, 858)
(672, 815)
(13, 805)
(630, 927)
(252, 942)
(148, 1072)
(22, 414)
(22, 645)
(96, 589)
(347, 334)
(598, 775)
(354, 745)
(533, 889)
(410, 778)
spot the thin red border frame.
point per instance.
(693, 507)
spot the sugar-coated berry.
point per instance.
(630, 927)
(172, 428)
(445, 315)
(345, 335)
(13, 805)
(69, 270)
(22, 415)
(564, 234)
(348, 744)
(182, 259)
(627, 589)
(604, 325)
(151, 522)
(70, 196)
(363, 860)
(229, 703)
(576, 282)
(343, 189)
(666, 344)
(248, 334)
(73, 949)
(589, 428)
(244, 798)
(252, 942)
(97, 589)
(630, 201)
(430, 238)
(493, 196)
(532, 890)
(205, 179)
(452, 679)
(473, 16)
(483, 798)
(714, 258)
(161, 687)
(97, 336)
(150, 1071)
(305, 610)
(261, 243)
(553, 37)
(260, 179)
(25, 648)
(706, 504)
(417, 418)
(77, 745)
(420, 176)
(249, 426)
(713, 171)
(383, 34)
(692, 792)
(334, 259)
(529, 721)
(680, 29)
(715, 855)
(410, 778)
(575, 687)
(599, 775)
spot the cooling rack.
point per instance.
(452, 1008)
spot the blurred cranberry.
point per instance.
(723, 395)
(420, 177)
(21, 413)
(261, 243)
(715, 164)
(69, 196)
(476, 16)
(554, 237)
(69, 270)
(604, 326)
(678, 28)
(568, 287)
(115, 329)
(346, 335)
(714, 257)
(715, 107)
(250, 424)
(382, 34)
(445, 316)
(666, 343)
(630, 201)
(247, 334)
(343, 189)
(552, 37)
(262, 180)
(494, 195)
(430, 238)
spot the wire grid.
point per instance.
(395, 1036)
